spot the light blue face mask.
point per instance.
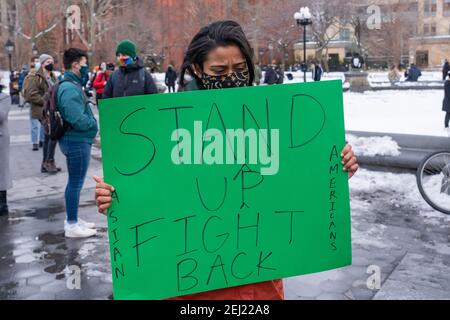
(37, 65)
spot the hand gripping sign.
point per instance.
(222, 188)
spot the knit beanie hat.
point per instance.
(44, 57)
(127, 47)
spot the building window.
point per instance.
(422, 58)
(446, 8)
(429, 29)
(430, 7)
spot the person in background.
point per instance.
(111, 67)
(413, 73)
(37, 131)
(35, 88)
(100, 80)
(131, 79)
(61, 75)
(14, 88)
(220, 57)
(76, 143)
(171, 78)
(445, 69)
(5, 174)
(394, 75)
(446, 103)
(258, 73)
(271, 76)
(22, 76)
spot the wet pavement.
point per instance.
(397, 239)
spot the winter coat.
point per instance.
(35, 86)
(271, 76)
(99, 81)
(413, 74)
(5, 174)
(394, 75)
(446, 102)
(75, 109)
(317, 74)
(280, 76)
(171, 77)
(268, 290)
(131, 80)
(445, 70)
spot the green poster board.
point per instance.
(222, 188)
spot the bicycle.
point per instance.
(433, 180)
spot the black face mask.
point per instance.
(234, 80)
(49, 67)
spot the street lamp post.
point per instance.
(9, 46)
(303, 18)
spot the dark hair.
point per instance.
(73, 55)
(219, 33)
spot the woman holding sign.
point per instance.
(218, 57)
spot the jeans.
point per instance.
(447, 119)
(77, 155)
(37, 132)
(49, 149)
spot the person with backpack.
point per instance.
(131, 79)
(36, 85)
(76, 138)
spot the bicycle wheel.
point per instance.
(433, 180)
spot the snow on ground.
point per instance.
(394, 111)
(403, 184)
(374, 146)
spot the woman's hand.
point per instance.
(349, 161)
(103, 195)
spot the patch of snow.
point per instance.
(374, 146)
(86, 250)
(408, 112)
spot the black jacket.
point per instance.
(446, 102)
(271, 76)
(445, 70)
(131, 80)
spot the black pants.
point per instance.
(49, 149)
(447, 119)
(171, 87)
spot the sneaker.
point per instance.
(89, 225)
(77, 231)
(83, 224)
(35, 147)
(41, 144)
